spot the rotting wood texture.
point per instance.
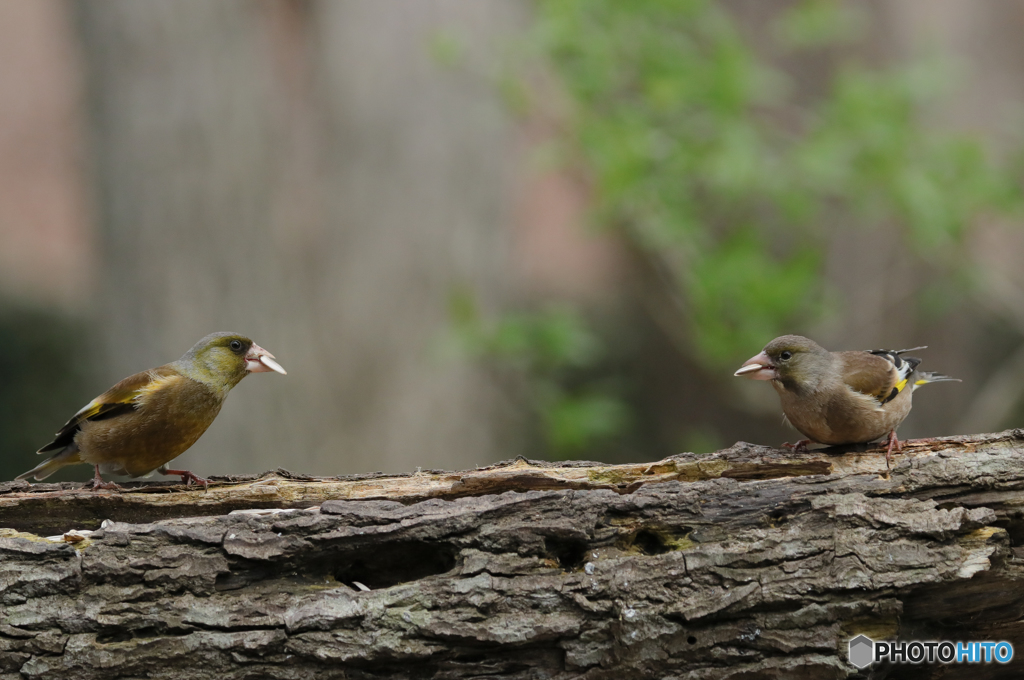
(747, 563)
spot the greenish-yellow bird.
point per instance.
(148, 419)
(840, 397)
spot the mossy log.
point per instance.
(746, 563)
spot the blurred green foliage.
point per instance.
(730, 176)
(551, 351)
(700, 154)
(446, 50)
(821, 23)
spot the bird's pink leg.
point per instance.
(98, 483)
(799, 447)
(187, 477)
(894, 443)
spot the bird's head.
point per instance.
(793, 360)
(222, 359)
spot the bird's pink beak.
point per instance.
(259, 360)
(758, 368)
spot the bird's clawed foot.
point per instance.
(98, 483)
(799, 447)
(187, 477)
(894, 443)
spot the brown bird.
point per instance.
(840, 397)
(150, 418)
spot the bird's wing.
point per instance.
(123, 397)
(881, 374)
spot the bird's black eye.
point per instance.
(785, 356)
(235, 345)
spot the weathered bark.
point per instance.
(747, 563)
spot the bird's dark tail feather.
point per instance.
(68, 456)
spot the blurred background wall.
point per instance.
(425, 210)
(308, 174)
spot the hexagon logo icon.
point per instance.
(862, 651)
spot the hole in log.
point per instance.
(392, 564)
(1015, 531)
(569, 553)
(650, 543)
(691, 640)
(656, 540)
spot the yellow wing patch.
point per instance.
(155, 384)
